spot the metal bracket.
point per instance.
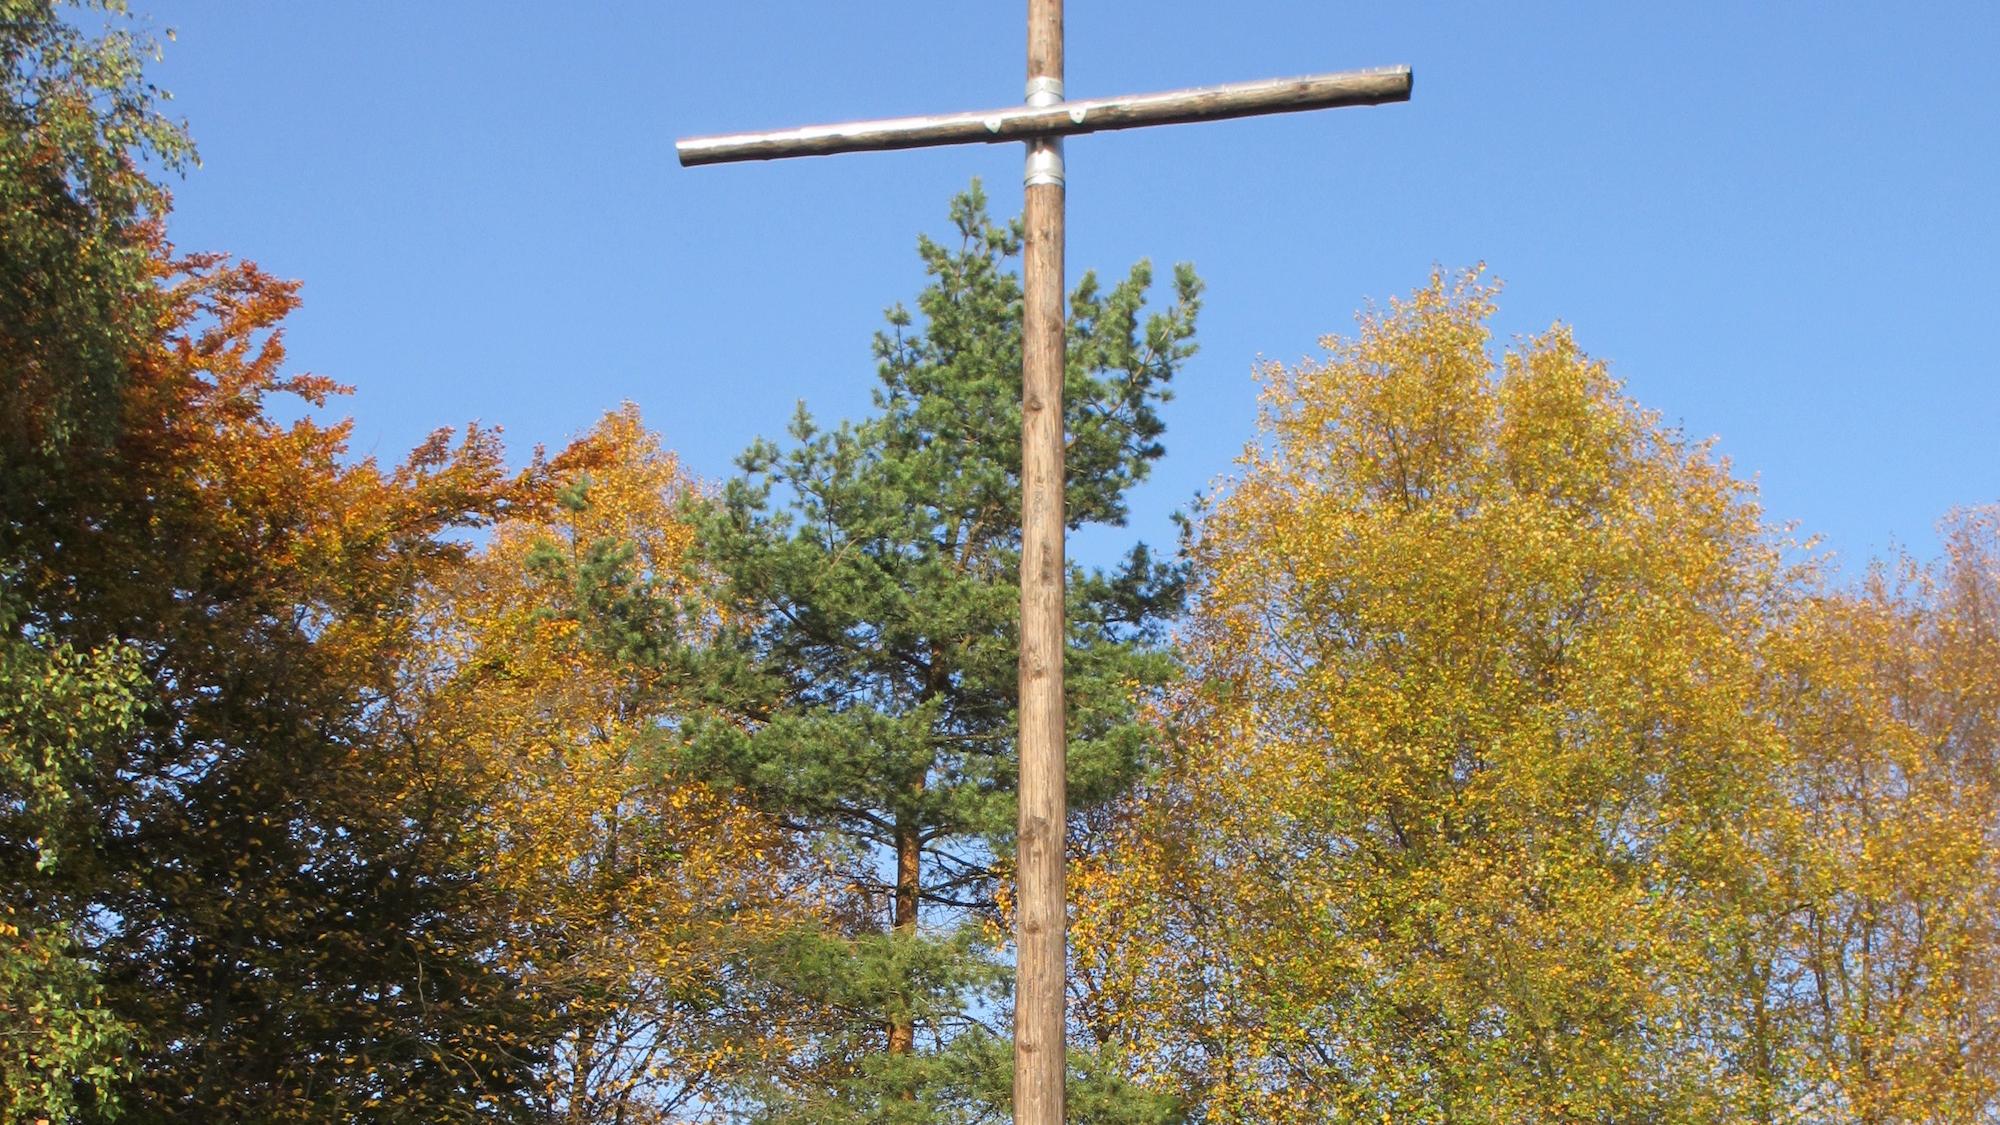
(1045, 156)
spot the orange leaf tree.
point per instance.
(629, 894)
(262, 878)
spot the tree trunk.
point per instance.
(909, 876)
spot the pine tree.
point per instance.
(871, 590)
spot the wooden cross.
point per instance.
(1046, 118)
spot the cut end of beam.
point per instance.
(1022, 123)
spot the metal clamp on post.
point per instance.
(1045, 155)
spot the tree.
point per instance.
(78, 219)
(62, 1050)
(77, 224)
(264, 884)
(864, 686)
(1468, 782)
(628, 894)
(1885, 979)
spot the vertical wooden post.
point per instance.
(1039, 1038)
(1041, 960)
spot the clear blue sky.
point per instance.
(1779, 223)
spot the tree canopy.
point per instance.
(1517, 776)
(869, 583)
(1483, 755)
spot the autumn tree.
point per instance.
(864, 687)
(1884, 979)
(629, 893)
(1469, 779)
(260, 878)
(77, 212)
(78, 215)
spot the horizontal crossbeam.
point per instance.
(1021, 123)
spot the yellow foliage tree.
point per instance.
(1469, 789)
(631, 893)
(1887, 965)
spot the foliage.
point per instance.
(631, 896)
(61, 1049)
(864, 684)
(78, 214)
(1882, 980)
(76, 293)
(1469, 780)
(1517, 777)
(271, 902)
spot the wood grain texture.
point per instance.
(1021, 123)
(1041, 956)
